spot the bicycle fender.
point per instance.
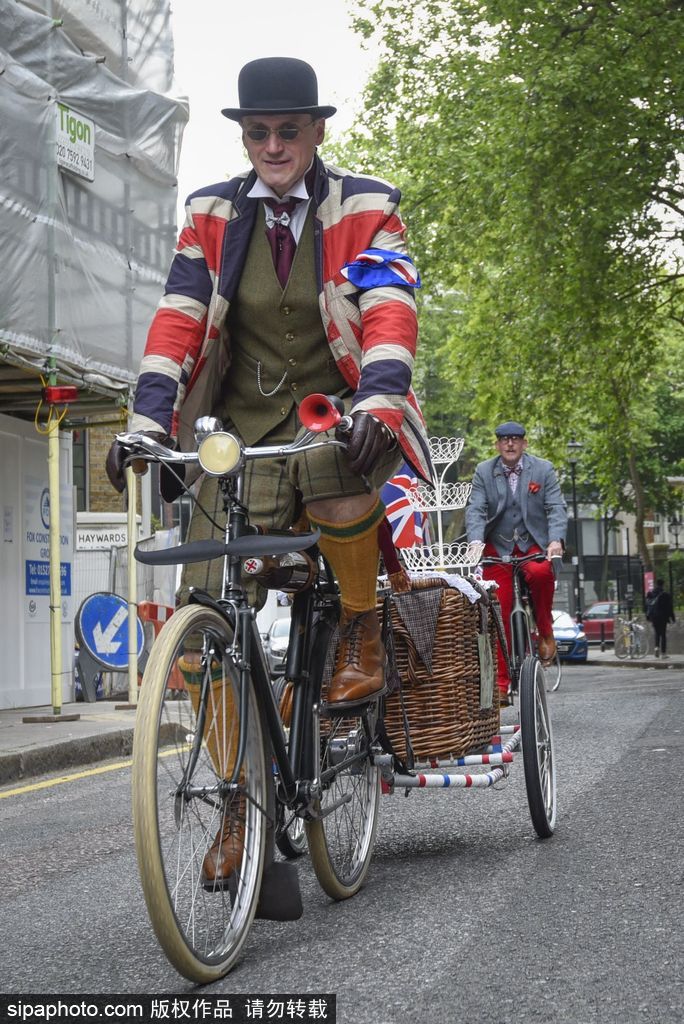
(207, 601)
(242, 547)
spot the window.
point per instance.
(80, 464)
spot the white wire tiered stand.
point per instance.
(452, 556)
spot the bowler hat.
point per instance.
(510, 427)
(277, 85)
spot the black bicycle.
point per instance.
(526, 674)
(216, 769)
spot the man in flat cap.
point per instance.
(288, 279)
(516, 508)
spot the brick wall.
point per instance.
(102, 496)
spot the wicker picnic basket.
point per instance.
(442, 707)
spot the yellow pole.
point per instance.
(55, 569)
(132, 490)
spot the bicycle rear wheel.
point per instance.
(290, 837)
(341, 841)
(537, 748)
(622, 647)
(553, 674)
(181, 799)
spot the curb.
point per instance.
(634, 663)
(68, 754)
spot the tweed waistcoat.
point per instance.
(279, 349)
(510, 529)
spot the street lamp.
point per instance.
(675, 526)
(574, 448)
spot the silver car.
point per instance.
(275, 645)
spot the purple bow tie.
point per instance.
(508, 470)
(280, 236)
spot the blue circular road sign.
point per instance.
(102, 629)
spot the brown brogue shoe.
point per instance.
(360, 667)
(505, 698)
(225, 854)
(547, 649)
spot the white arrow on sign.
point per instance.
(104, 643)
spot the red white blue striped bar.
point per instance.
(425, 780)
(460, 780)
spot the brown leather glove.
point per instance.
(369, 440)
(115, 465)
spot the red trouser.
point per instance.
(540, 580)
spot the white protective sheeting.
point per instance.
(85, 261)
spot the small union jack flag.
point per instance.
(408, 525)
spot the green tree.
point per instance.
(537, 146)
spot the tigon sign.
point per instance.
(75, 142)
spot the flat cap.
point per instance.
(510, 427)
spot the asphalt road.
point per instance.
(466, 916)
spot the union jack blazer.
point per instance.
(372, 331)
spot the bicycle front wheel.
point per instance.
(642, 644)
(341, 841)
(537, 748)
(183, 807)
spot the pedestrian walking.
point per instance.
(659, 612)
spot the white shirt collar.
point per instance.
(260, 190)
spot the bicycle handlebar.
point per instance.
(144, 448)
(514, 560)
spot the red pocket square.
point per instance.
(534, 487)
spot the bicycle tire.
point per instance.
(553, 674)
(537, 748)
(642, 642)
(201, 932)
(341, 842)
(290, 836)
(622, 646)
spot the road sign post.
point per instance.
(132, 493)
(102, 631)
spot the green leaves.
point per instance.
(535, 146)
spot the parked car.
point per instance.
(570, 638)
(275, 645)
(598, 616)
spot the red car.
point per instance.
(597, 617)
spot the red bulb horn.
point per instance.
(320, 412)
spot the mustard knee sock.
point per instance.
(353, 552)
(221, 728)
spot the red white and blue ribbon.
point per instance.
(375, 268)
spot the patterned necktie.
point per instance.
(280, 236)
(512, 473)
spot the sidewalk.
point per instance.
(29, 748)
(103, 730)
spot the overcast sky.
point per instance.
(214, 38)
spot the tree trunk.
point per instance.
(640, 513)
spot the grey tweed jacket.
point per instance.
(542, 506)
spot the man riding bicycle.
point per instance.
(288, 279)
(516, 508)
